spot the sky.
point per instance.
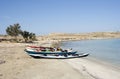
(61, 16)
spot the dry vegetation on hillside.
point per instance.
(81, 36)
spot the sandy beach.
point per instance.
(16, 64)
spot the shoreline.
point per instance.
(95, 69)
(16, 64)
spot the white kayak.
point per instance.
(59, 56)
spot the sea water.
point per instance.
(107, 50)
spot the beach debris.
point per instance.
(2, 61)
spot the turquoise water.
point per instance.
(106, 50)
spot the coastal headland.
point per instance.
(16, 64)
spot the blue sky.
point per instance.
(62, 16)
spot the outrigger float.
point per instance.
(52, 53)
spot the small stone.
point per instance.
(1, 74)
(2, 61)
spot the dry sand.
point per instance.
(16, 64)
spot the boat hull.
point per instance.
(59, 56)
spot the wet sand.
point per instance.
(16, 64)
(95, 69)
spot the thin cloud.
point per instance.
(5, 17)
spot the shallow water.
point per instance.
(107, 50)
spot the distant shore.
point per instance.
(79, 36)
(69, 36)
